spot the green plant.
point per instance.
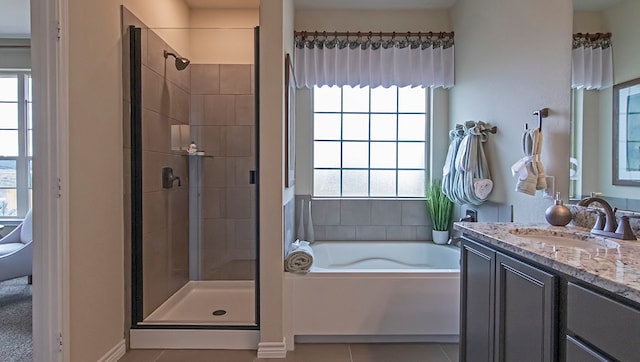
(439, 205)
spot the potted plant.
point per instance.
(440, 210)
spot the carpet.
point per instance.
(15, 321)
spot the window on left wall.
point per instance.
(16, 152)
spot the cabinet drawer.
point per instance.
(607, 324)
(578, 352)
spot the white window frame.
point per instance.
(427, 144)
(24, 159)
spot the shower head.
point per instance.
(181, 63)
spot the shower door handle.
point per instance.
(252, 177)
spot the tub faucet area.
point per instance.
(609, 227)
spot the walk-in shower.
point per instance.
(194, 241)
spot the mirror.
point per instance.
(626, 133)
(592, 110)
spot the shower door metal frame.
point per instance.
(135, 78)
(137, 305)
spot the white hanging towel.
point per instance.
(467, 179)
(530, 170)
(449, 169)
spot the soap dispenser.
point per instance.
(558, 214)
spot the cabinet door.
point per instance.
(606, 324)
(578, 352)
(525, 311)
(477, 302)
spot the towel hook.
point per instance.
(542, 113)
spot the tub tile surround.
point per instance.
(289, 225)
(615, 270)
(360, 219)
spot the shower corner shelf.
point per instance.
(198, 154)
(201, 155)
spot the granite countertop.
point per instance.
(613, 268)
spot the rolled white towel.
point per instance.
(299, 258)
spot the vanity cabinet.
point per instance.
(508, 308)
(477, 278)
(599, 327)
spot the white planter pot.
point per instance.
(440, 237)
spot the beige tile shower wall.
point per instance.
(165, 101)
(223, 125)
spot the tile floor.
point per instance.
(379, 352)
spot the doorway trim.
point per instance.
(49, 63)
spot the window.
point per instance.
(15, 144)
(369, 142)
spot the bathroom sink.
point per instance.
(565, 238)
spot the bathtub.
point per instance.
(360, 291)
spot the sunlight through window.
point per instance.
(369, 142)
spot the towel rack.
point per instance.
(493, 130)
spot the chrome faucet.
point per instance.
(609, 227)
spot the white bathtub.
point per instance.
(384, 256)
(376, 291)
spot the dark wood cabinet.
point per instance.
(526, 310)
(508, 308)
(477, 302)
(578, 352)
(610, 327)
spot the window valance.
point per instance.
(592, 62)
(374, 59)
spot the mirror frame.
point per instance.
(621, 93)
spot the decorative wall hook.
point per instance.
(541, 113)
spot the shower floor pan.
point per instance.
(208, 303)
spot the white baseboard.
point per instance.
(272, 349)
(194, 339)
(115, 353)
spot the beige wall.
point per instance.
(276, 25)
(372, 20)
(172, 15)
(95, 179)
(222, 36)
(513, 57)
